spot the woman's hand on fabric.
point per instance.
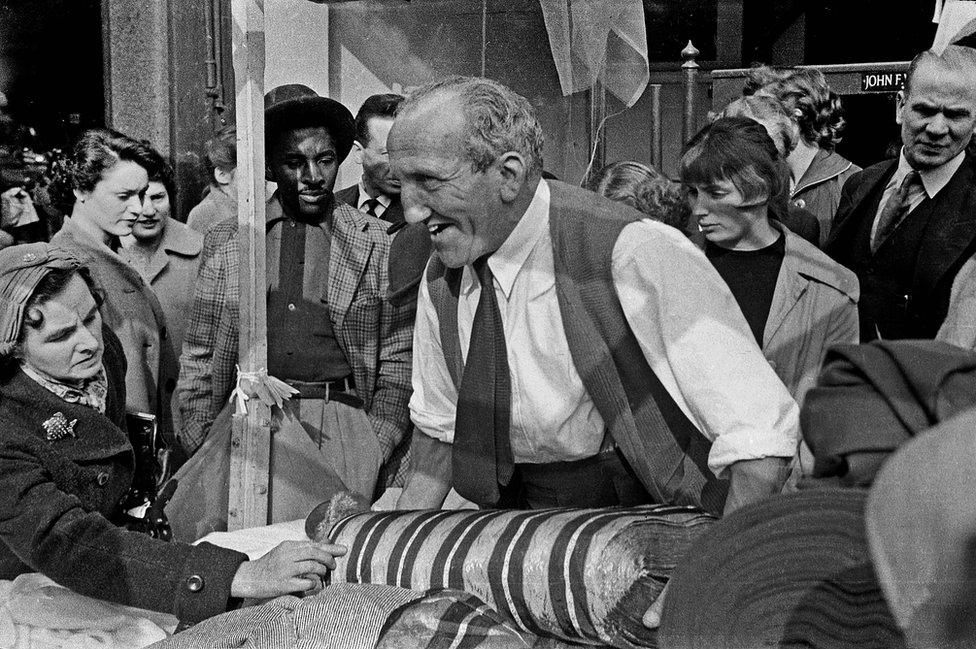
(292, 566)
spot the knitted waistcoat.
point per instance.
(664, 448)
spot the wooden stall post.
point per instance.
(656, 138)
(690, 66)
(251, 436)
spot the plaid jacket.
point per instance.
(375, 336)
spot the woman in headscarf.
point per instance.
(66, 464)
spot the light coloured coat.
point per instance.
(814, 306)
(171, 272)
(132, 312)
(959, 327)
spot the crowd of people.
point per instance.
(460, 319)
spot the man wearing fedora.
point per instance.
(332, 333)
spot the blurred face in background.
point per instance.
(151, 224)
(377, 176)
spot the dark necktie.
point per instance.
(895, 209)
(482, 454)
(370, 206)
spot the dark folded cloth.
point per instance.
(872, 398)
(790, 571)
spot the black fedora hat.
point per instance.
(790, 571)
(294, 105)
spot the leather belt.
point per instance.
(340, 390)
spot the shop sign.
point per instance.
(882, 81)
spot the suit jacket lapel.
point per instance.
(350, 253)
(863, 194)
(951, 230)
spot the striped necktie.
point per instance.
(896, 208)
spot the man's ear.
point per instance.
(899, 105)
(513, 170)
(79, 195)
(222, 177)
(357, 152)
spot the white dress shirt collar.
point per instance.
(364, 196)
(508, 260)
(932, 179)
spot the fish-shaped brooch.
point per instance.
(59, 427)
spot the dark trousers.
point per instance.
(603, 480)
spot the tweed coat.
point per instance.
(58, 498)
(375, 336)
(409, 251)
(131, 310)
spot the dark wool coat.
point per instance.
(58, 499)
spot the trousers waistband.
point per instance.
(341, 390)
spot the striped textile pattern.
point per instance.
(580, 575)
(450, 618)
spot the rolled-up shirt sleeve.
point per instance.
(698, 343)
(433, 405)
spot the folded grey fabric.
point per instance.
(344, 616)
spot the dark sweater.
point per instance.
(751, 276)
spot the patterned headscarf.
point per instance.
(21, 269)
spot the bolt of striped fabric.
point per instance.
(482, 453)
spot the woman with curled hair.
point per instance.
(166, 253)
(645, 189)
(109, 178)
(817, 172)
(66, 463)
(796, 300)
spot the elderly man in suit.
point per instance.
(332, 334)
(906, 226)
